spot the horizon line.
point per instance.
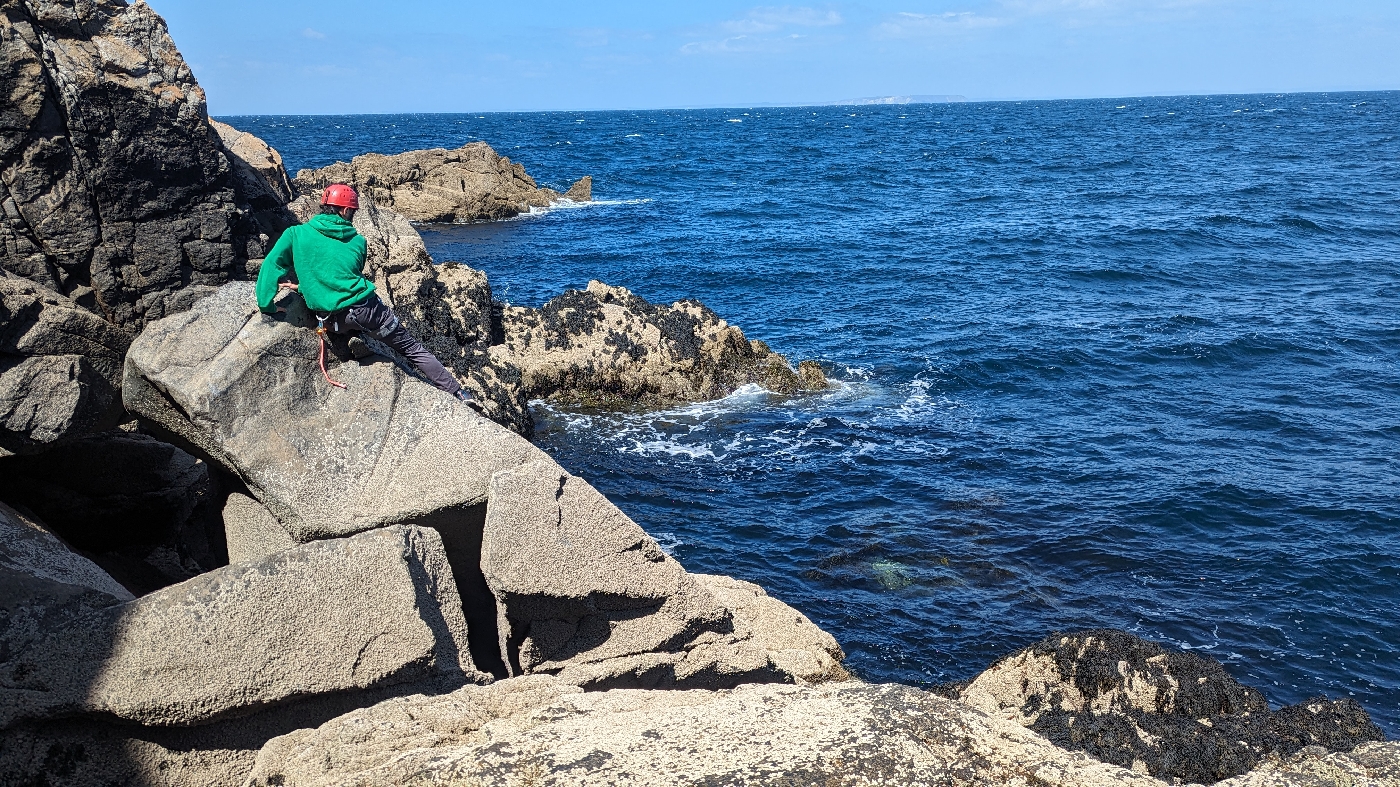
(873, 101)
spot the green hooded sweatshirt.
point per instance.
(328, 258)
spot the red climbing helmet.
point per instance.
(341, 196)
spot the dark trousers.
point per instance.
(373, 317)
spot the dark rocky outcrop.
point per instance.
(116, 192)
(471, 183)
(606, 346)
(1174, 714)
(144, 510)
(60, 368)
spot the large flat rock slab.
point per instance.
(334, 616)
(535, 732)
(584, 593)
(244, 388)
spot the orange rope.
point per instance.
(321, 332)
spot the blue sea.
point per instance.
(1105, 363)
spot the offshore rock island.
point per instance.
(215, 569)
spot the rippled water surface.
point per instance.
(1125, 363)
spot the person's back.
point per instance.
(329, 260)
(326, 256)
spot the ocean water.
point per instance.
(1126, 363)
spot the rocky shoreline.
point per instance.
(217, 570)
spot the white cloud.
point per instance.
(910, 25)
(315, 34)
(763, 29)
(1070, 13)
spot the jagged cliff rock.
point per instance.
(259, 176)
(471, 183)
(1173, 714)
(116, 193)
(60, 368)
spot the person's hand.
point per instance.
(285, 285)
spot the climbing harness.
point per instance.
(321, 333)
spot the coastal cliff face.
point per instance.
(259, 579)
(116, 193)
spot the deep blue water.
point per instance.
(1126, 363)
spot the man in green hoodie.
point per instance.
(326, 257)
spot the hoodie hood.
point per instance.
(332, 226)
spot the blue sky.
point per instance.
(353, 56)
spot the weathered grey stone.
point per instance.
(580, 582)
(244, 388)
(379, 608)
(586, 594)
(143, 510)
(116, 191)
(85, 753)
(1134, 703)
(60, 368)
(792, 642)
(252, 532)
(532, 731)
(43, 584)
(470, 183)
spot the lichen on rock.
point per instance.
(1172, 714)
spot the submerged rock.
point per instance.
(1133, 703)
(470, 183)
